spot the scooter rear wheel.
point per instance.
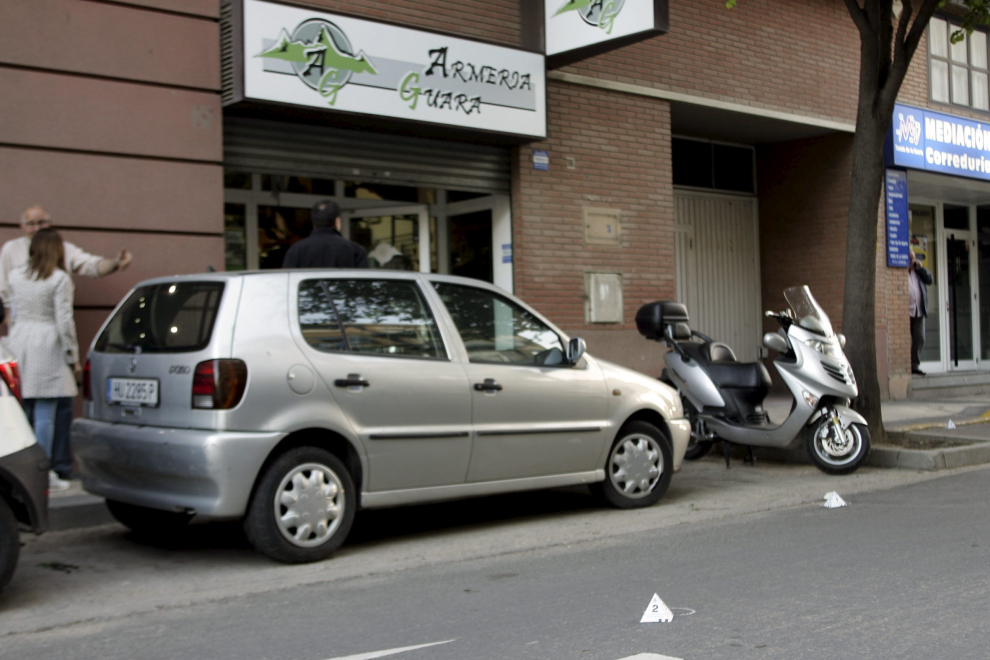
(697, 445)
(834, 457)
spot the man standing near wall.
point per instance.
(918, 281)
(14, 254)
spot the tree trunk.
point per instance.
(859, 311)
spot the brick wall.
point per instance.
(621, 149)
(491, 20)
(800, 57)
(117, 133)
(804, 209)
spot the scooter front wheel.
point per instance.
(835, 454)
(698, 445)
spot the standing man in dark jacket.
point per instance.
(918, 281)
(325, 247)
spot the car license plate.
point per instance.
(133, 391)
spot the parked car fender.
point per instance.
(633, 392)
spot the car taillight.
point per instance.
(219, 384)
(12, 377)
(87, 387)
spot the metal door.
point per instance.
(717, 254)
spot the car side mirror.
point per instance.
(575, 350)
(775, 342)
(842, 340)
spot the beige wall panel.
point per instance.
(155, 255)
(111, 40)
(111, 192)
(207, 8)
(53, 110)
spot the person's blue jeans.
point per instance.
(41, 413)
(61, 451)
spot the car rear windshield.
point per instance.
(175, 317)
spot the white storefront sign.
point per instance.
(322, 60)
(576, 24)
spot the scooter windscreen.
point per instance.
(807, 312)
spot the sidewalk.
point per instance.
(917, 439)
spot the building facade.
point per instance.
(709, 164)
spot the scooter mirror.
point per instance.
(769, 313)
(775, 342)
(842, 340)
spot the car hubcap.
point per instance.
(837, 446)
(309, 505)
(636, 465)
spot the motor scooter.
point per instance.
(724, 397)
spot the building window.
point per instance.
(713, 165)
(958, 70)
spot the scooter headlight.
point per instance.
(824, 347)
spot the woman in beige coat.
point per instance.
(43, 336)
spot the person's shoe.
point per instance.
(56, 484)
(918, 372)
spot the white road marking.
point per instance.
(382, 654)
(649, 656)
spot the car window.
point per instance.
(175, 317)
(497, 330)
(377, 317)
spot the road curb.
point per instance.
(929, 459)
(77, 511)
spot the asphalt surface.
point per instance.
(899, 573)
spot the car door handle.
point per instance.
(488, 386)
(352, 380)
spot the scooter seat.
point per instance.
(747, 375)
(726, 373)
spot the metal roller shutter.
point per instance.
(255, 145)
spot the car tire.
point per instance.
(303, 507)
(647, 450)
(146, 522)
(10, 544)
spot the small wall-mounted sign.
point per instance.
(578, 29)
(541, 160)
(506, 253)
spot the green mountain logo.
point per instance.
(311, 53)
(573, 5)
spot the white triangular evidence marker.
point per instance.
(387, 652)
(656, 612)
(833, 501)
(951, 425)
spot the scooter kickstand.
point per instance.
(725, 449)
(750, 458)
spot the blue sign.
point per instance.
(541, 160)
(898, 240)
(932, 141)
(506, 253)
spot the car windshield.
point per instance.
(807, 313)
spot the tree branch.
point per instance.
(858, 16)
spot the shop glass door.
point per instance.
(960, 289)
(396, 238)
(279, 227)
(983, 268)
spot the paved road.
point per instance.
(901, 572)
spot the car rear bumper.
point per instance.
(680, 435)
(208, 473)
(24, 478)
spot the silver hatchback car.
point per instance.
(290, 399)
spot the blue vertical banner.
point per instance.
(898, 221)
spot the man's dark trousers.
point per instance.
(917, 340)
